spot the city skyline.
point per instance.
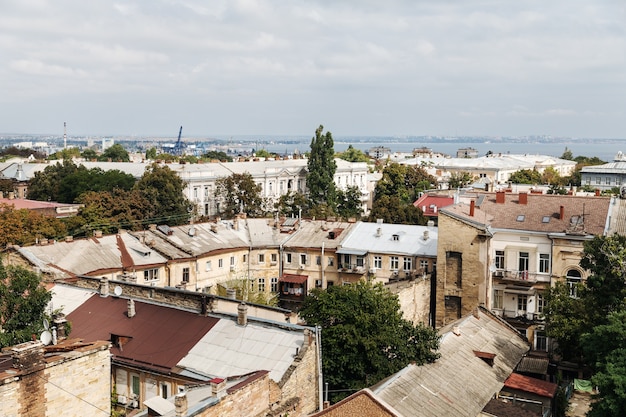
(476, 68)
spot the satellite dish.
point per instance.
(46, 337)
(46, 325)
(118, 290)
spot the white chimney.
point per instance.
(242, 314)
(180, 404)
(131, 308)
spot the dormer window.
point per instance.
(488, 358)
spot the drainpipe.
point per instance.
(322, 264)
(320, 381)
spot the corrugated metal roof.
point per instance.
(459, 383)
(391, 238)
(229, 349)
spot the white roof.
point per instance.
(379, 238)
(229, 349)
(68, 298)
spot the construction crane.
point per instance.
(179, 147)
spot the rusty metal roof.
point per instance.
(158, 337)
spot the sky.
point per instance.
(276, 67)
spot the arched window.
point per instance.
(573, 279)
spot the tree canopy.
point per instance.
(320, 179)
(26, 227)
(353, 155)
(526, 176)
(364, 337)
(23, 304)
(239, 193)
(115, 153)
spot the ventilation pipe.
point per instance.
(242, 314)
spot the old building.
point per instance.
(606, 176)
(69, 378)
(503, 250)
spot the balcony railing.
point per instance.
(352, 268)
(518, 314)
(521, 276)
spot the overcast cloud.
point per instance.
(272, 67)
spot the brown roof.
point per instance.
(362, 403)
(293, 278)
(501, 408)
(532, 385)
(542, 213)
(156, 337)
(437, 202)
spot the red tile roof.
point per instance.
(542, 213)
(293, 278)
(158, 337)
(437, 202)
(532, 385)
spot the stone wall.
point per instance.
(414, 298)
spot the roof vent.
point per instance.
(456, 330)
(165, 229)
(379, 232)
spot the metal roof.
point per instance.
(391, 238)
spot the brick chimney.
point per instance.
(523, 198)
(104, 287)
(562, 213)
(500, 195)
(28, 357)
(472, 207)
(218, 387)
(131, 309)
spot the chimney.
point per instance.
(562, 213)
(379, 232)
(218, 387)
(434, 209)
(97, 233)
(104, 287)
(152, 227)
(28, 357)
(523, 198)
(69, 238)
(131, 308)
(180, 404)
(61, 324)
(500, 197)
(242, 314)
(425, 234)
(597, 192)
(472, 206)
(231, 293)
(11, 195)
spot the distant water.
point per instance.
(604, 151)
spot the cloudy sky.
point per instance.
(276, 67)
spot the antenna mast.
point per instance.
(64, 135)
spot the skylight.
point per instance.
(546, 219)
(521, 218)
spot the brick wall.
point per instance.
(414, 297)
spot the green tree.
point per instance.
(611, 380)
(23, 302)
(151, 154)
(459, 180)
(321, 165)
(13, 151)
(364, 337)
(218, 155)
(349, 202)
(292, 204)
(263, 153)
(239, 193)
(115, 153)
(89, 155)
(567, 154)
(45, 185)
(25, 227)
(353, 155)
(551, 176)
(163, 189)
(95, 179)
(526, 176)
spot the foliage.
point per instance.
(67, 153)
(6, 185)
(89, 155)
(115, 153)
(189, 159)
(320, 179)
(263, 153)
(364, 337)
(13, 151)
(239, 193)
(349, 202)
(219, 155)
(603, 339)
(552, 177)
(566, 320)
(353, 155)
(526, 176)
(163, 189)
(23, 302)
(460, 180)
(611, 383)
(291, 203)
(44, 185)
(394, 210)
(25, 227)
(567, 154)
(245, 290)
(151, 154)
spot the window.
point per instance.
(544, 262)
(541, 303)
(318, 260)
(360, 261)
(573, 280)
(393, 263)
(207, 266)
(588, 180)
(196, 191)
(424, 265)
(185, 274)
(598, 180)
(498, 296)
(331, 261)
(318, 283)
(150, 274)
(499, 259)
(523, 261)
(206, 195)
(303, 259)
(135, 385)
(261, 284)
(165, 389)
(521, 217)
(346, 261)
(378, 262)
(274, 258)
(220, 263)
(522, 302)
(274, 284)
(232, 261)
(245, 258)
(408, 264)
(261, 258)
(541, 341)
(608, 180)
(288, 258)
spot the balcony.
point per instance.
(352, 268)
(518, 315)
(520, 276)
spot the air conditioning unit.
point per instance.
(232, 267)
(121, 399)
(153, 284)
(134, 404)
(372, 270)
(498, 274)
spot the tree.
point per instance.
(151, 154)
(364, 337)
(25, 227)
(115, 153)
(163, 189)
(526, 176)
(320, 179)
(349, 202)
(567, 154)
(611, 380)
(292, 204)
(218, 155)
(23, 302)
(89, 155)
(44, 185)
(551, 176)
(353, 155)
(239, 193)
(459, 180)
